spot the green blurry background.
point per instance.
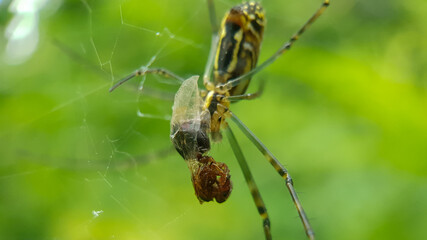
(344, 110)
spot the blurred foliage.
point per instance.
(344, 110)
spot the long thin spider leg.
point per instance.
(280, 170)
(214, 42)
(286, 46)
(251, 182)
(159, 71)
(248, 96)
(212, 16)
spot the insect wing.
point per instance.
(187, 103)
(189, 124)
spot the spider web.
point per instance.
(151, 97)
(78, 162)
(160, 213)
(122, 172)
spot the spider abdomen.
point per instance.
(239, 44)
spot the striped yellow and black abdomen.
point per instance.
(239, 44)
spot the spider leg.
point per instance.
(143, 71)
(248, 96)
(214, 42)
(286, 46)
(281, 170)
(251, 182)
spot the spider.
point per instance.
(199, 116)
